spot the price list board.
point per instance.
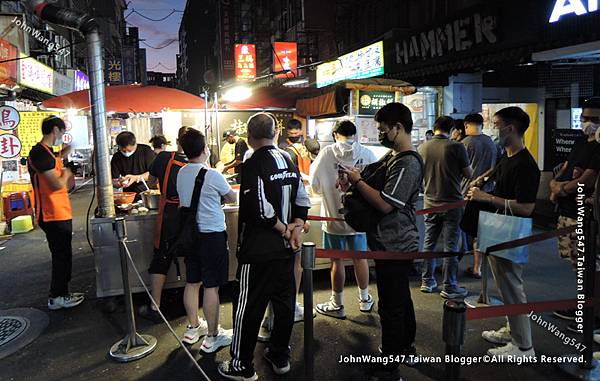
(30, 129)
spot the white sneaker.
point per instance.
(211, 344)
(193, 334)
(331, 309)
(264, 333)
(299, 313)
(510, 351)
(68, 301)
(366, 305)
(501, 336)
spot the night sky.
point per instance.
(157, 33)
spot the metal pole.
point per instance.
(216, 130)
(453, 331)
(308, 265)
(133, 346)
(483, 299)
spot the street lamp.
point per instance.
(237, 94)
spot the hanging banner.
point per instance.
(285, 57)
(35, 75)
(245, 62)
(366, 62)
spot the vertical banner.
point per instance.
(245, 62)
(114, 71)
(285, 57)
(226, 36)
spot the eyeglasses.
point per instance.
(593, 119)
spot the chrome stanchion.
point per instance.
(483, 299)
(134, 346)
(308, 265)
(453, 331)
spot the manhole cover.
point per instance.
(11, 327)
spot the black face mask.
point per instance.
(295, 139)
(384, 141)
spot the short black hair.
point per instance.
(157, 141)
(593, 102)
(262, 126)
(393, 113)
(50, 122)
(293, 124)
(444, 124)
(459, 124)
(125, 139)
(345, 128)
(183, 130)
(474, 118)
(515, 116)
(430, 132)
(193, 143)
(312, 146)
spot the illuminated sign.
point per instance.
(35, 74)
(245, 62)
(114, 72)
(362, 63)
(567, 7)
(285, 57)
(8, 63)
(81, 81)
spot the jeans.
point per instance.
(59, 236)
(447, 225)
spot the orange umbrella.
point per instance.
(130, 98)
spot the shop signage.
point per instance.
(114, 71)
(30, 129)
(9, 118)
(369, 102)
(62, 84)
(10, 146)
(366, 62)
(81, 81)
(285, 57)
(567, 7)
(457, 36)
(245, 62)
(35, 74)
(8, 70)
(564, 141)
(226, 14)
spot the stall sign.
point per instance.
(366, 62)
(226, 34)
(285, 57)
(114, 71)
(81, 81)
(77, 135)
(366, 130)
(10, 146)
(8, 70)
(245, 62)
(62, 84)
(35, 75)
(568, 7)
(564, 141)
(30, 129)
(9, 118)
(369, 102)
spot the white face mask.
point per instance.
(58, 141)
(598, 135)
(128, 154)
(589, 128)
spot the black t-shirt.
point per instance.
(517, 177)
(585, 155)
(136, 164)
(240, 149)
(41, 159)
(158, 169)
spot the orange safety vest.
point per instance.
(57, 206)
(163, 201)
(303, 160)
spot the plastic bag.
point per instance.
(499, 228)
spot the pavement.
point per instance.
(75, 344)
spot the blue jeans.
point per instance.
(447, 225)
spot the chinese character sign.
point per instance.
(36, 75)
(366, 62)
(371, 101)
(30, 129)
(9, 118)
(10, 146)
(285, 57)
(245, 62)
(114, 71)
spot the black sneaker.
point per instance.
(148, 313)
(279, 362)
(565, 314)
(226, 370)
(409, 356)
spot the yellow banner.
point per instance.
(30, 129)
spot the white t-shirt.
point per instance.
(210, 216)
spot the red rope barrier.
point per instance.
(526, 308)
(383, 255)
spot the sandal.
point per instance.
(469, 272)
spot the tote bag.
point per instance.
(497, 228)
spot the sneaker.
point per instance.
(280, 364)
(366, 305)
(212, 344)
(299, 313)
(501, 336)
(454, 293)
(264, 333)
(148, 313)
(410, 356)
(573, 327)
(428, 288)
(226, 370)
(67, 301)
(331, 309)
(565, 314)
(193, 334)
(510, 352)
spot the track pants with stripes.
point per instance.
(259, 284)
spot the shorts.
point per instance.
(209, 263)
(356, 242)
(567, 244)
(161, 261)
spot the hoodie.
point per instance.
(324, 173)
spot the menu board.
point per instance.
(30, 129)
(366, 130)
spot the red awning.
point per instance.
(271, 98)
(130, 98)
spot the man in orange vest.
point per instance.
(294, 145)
(53, 209)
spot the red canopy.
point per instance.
(271, 97)
(130, 98)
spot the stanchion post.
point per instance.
(453, 331)
(308, 265)
(133, 346)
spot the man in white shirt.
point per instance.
(207, 262)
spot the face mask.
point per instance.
(128, 154)
(295, 139)
(385, 141)
(58, 141)
(349, 142)
(589, 128)
(598, 135)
